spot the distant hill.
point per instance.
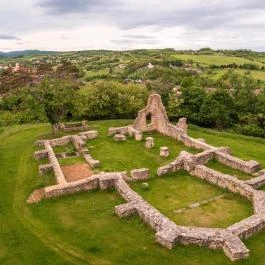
(24, 53)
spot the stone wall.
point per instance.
(60, 141)
(126, 130)
(169, 234)
(89, 135)
(257, 182)
(55, 164)
(234, 162)
(40, 154)
(78, 143)
(74, 126)
(223, 181)
(248, 227)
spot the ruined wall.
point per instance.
(234, 162)
(55, 164)
(223, 181)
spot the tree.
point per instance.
(56, 97)
(191, 101)
(217, 110)
(109, 100)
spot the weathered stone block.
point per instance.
(91, 161)
(138, 136)
(166, 238)
(44, 168)
(149, 142)
(89, 135)
(140, 174)
(164, 151)
(125, 210)
(40, 154)
(119, 137)
(164, 170)
(235, 249)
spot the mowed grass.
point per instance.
(214, 164)
(216, 59)
(82, 228)
(179, 190)
(131, 154)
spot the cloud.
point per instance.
(8, 37)
(123, 24)
(60, 7)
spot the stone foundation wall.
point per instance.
(256, 182)
(89, 135)
(115, 130)
(55, 164)
(169, 234)
(74, 126)
(223, 181)
(78, 143)
(126, 130)
(102, 181)
(61, 141)
(196, 143)
(234, 162)
(40, 154)
(248, 227)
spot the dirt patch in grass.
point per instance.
(76, 171)
(36, 196)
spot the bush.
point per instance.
(250, 129)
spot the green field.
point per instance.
(82, 228)
(216, 59)
(259, 75)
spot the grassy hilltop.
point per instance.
(82, 228)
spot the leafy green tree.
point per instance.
(192, 99)
(217, 110)
(109, 100)
(57, 98)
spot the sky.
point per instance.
(131, 24)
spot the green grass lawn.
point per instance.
(128, 155)
(214, 164)
(179, 190)
(82, 228)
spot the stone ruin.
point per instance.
(73, 126)
(168, 233)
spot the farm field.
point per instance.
(82, 228)
(258, 75)
(216, 59)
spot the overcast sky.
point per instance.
(131, 24)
